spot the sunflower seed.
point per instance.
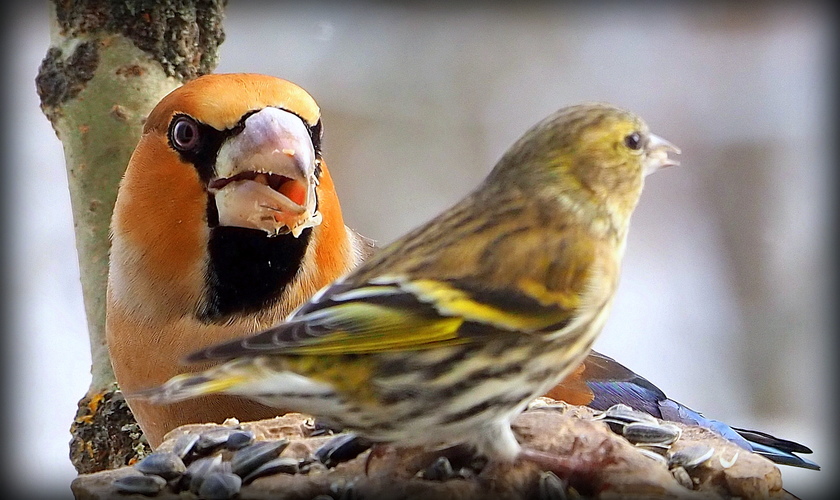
(248, 459)
(621, 413)
(165, 464)
(690, 456)
(220, 486)
(644, 433)
(280, 465)
(212, 439)
(341, 448)
(239, 439)
(142, 484)
(198, 471)
(185, 444)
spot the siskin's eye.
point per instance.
(633, 141)
(184, 133)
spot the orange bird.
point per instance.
(226, 220)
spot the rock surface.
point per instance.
(596, 463)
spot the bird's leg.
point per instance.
(377, 449)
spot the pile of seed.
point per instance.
(602, 463)
(214, 465)
(654, 439)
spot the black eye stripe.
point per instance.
(201, 153)
(203, 150)
(316, 132)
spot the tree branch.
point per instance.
(109, 63)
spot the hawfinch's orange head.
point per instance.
(254, 142)
(223, 190)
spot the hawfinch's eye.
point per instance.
(184, 133)
(633, 141)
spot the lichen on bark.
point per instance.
(182, 36)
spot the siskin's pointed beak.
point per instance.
(658, 149)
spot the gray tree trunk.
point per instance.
(108, 64)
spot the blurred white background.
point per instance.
(724, 296)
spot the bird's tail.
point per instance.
(256, 378)
(609, 382)
(189, 385)
(781, 451)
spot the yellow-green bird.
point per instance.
(444, 336)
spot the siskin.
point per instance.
(443, 337)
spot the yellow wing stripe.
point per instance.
(222, 384)
(454, 302)
(546, 297)
(361, 328)
(183, 386)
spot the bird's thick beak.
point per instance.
(266, 175)
(658, 149)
